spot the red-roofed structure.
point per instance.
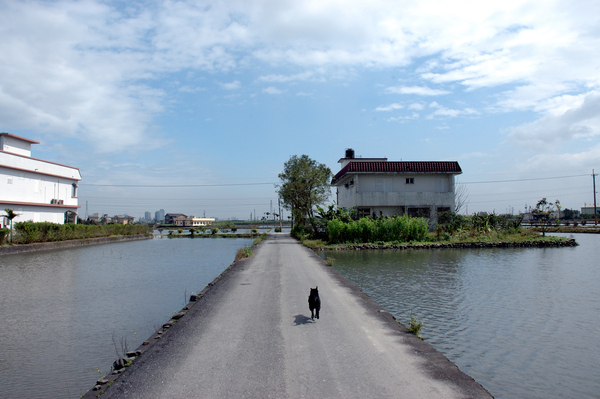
(376, 186)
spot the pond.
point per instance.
(65, 313)
(525, 323)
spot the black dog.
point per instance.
(314, 302)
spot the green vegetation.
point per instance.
(304, 185)
(4, 233)
(397, 228)
(243, 253)
(340, 228)
(543, 210)
(260, 238)
(414, 326)
(30, 232)
(10, 215)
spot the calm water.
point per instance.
(525, 323)
(60, 310)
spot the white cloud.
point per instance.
(236, 84)
(278, 78)
(548, 132)
(87, 69)
(404, 118)
(417, 106)
(453, 113)
(418, 90)
(585, 160)
(390, 107)
(272, 90)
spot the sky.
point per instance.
(194, 106)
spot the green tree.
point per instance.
(10, 214)
(304, 185)
(543, 213)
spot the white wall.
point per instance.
(391, 195)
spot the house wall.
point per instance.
(37, 190)
(35, 213)
(15, 146)
(391, 195)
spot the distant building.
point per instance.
(95, 218)
(159, 216)
(123, 219)
(170, 217)
(36, 190)
(192, 221)
(589, 210)
(378, 187)
(148, 216)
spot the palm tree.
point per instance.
(10, 215)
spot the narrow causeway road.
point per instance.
(251, 336)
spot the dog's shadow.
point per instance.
(300, 320)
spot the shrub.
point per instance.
(243, 253)
(414, 326)
(3, 234)
(398, 228)
(30, 232)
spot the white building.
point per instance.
(193, 221)
(36, 190)
(376, 186)
(589, 209)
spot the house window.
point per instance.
(410, 180)
(422, 212)
(363, 212)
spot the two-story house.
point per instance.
(36, 190)
(378, 187)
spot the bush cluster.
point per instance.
(4, 233)
(30, 232)
(365, 230)
(450, 223)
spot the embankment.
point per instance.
(46, 246)
(455, 245)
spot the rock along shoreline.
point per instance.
(457, 245)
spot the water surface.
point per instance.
(525, 323)
(66, 313)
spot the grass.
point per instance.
(314, 244)
(260, 238)
(524, 235)
(243, 253)
(414, 326)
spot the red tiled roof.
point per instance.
(399, 167)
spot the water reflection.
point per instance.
(62, 309)
(522, 322)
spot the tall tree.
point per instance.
(304, 185)
(543, 212)
(10, 215)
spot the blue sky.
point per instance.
(194, 106)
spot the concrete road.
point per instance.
(251, 336)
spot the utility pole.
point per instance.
(595, 211)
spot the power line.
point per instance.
(515, 180)
(173, 185)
